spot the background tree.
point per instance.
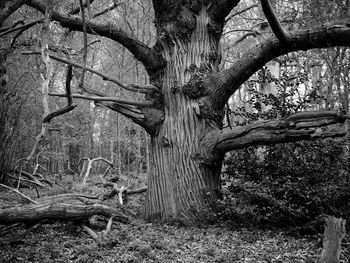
(183, 106)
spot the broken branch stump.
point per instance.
(333, 234)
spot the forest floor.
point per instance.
(140, 241)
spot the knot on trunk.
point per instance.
(195, 87)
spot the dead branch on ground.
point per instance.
(120, 191)
(18, 192)
(89, 166)
(56, 212)
(63, 207)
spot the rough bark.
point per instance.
(184, 177)
(296, 127)
(64, 207)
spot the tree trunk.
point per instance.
(184, 179)
(333, 235)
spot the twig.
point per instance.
(77, 9)
(254, 34)
(240, 12)
(110, 8)
(69, 77)
(116, 191)
(131, 87)
(90, 162)
(120, 194)
(20, 21)
(6, 228)
(25, 180)
(92, 234)
(79, 96)
(91, 43)
(18, 192)
(25, 27)
(88, 7)
(109, 225)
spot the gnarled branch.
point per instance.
(296, 127)
(149, 118)
(142, 113)
(70, 105)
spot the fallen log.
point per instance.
(33, 213)
(69, 198)
(333, 235)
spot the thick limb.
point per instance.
(222, 85)
(150, 58)
(299, 126)
(275, 25)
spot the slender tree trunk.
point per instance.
(5, 141)
(119, 162)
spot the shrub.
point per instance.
(291, 184)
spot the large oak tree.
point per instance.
(183, 107)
